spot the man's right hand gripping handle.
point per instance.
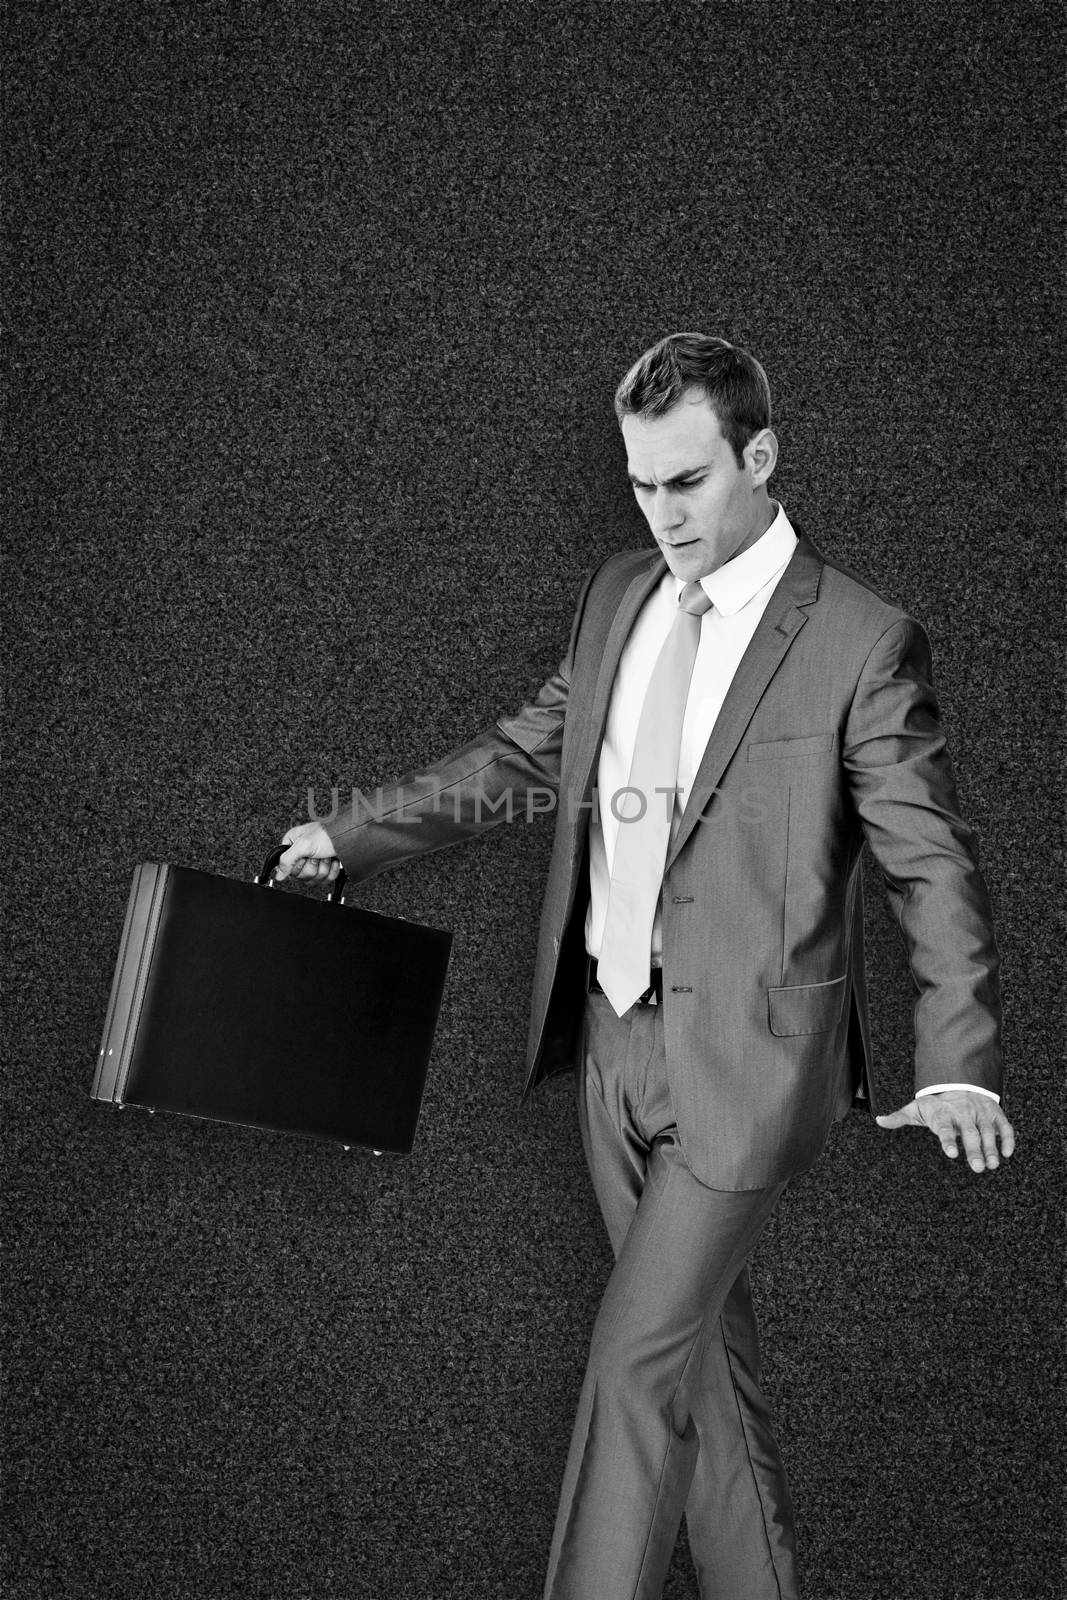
(309, 855)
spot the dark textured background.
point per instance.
(315, 314)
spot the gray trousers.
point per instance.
(670, 1417)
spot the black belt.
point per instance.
(655, 986)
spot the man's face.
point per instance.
(701, 506)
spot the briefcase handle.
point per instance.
(266, 876)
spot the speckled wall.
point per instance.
(314, 319)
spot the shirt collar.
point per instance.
(740, 579)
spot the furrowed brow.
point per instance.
(669, 483)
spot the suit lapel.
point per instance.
(783, 619)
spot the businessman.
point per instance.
(735, 715)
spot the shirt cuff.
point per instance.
(936, 1088)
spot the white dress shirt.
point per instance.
(739, 591)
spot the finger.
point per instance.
(947, 1132)
(1006, 1133)
(1000, 1128)
(972, 1144)
(990, 1153)
(287, 864)
(907, 1117)
(304, 868)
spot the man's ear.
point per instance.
(761, 454)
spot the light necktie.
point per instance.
(641, 846)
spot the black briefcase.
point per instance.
(243, 1003)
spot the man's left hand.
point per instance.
(957, 1114)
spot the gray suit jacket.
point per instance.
(828, 736)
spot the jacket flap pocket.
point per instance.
(806, 1007)
(777, 749)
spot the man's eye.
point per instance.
(680, 487)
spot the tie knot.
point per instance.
(694, 600)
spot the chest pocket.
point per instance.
(811, 744)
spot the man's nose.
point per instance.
(666, 512)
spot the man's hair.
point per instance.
(733, 381)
